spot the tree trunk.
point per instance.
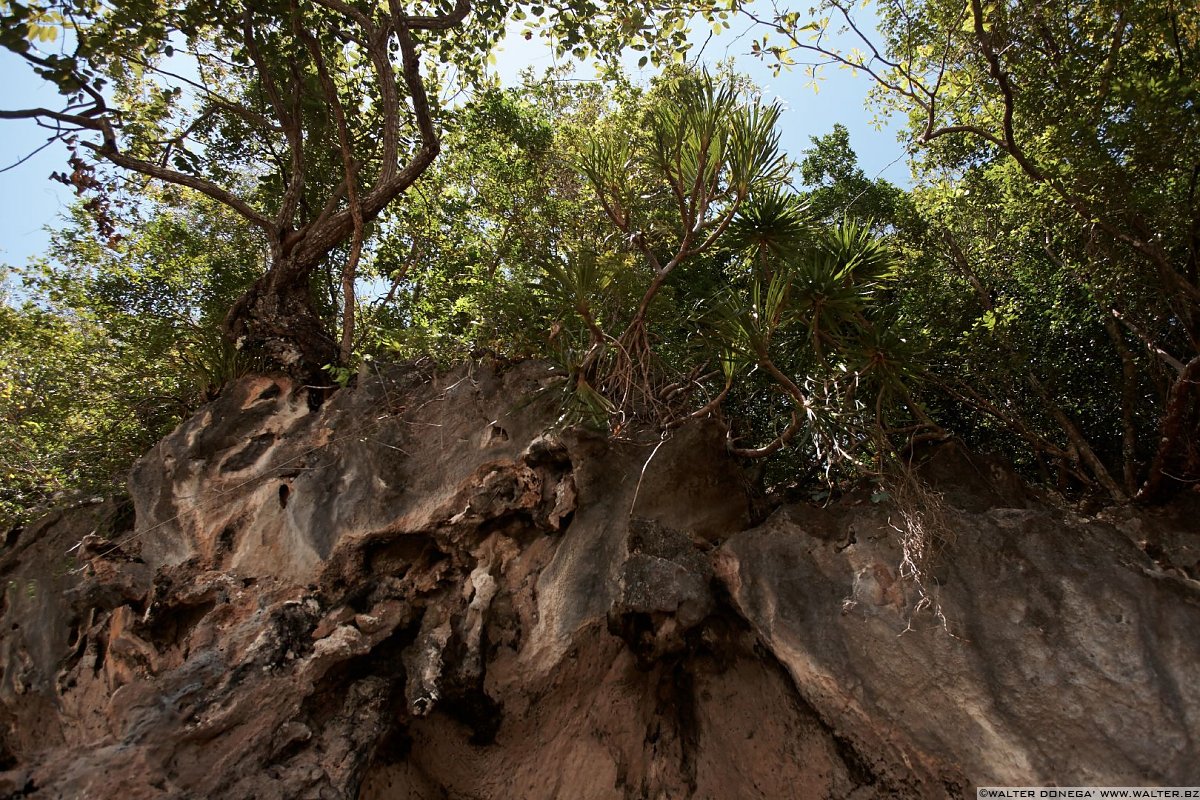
(276, 317)
(1175, 462)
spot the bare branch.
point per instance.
(832, 55)
(317, 240)
(110, 152)
(1173, 430)
(98, 104)
(291, 128)
(1151, 345)
(253, 117)
(30, 155)
(863, 38)
(930, 133)
(775, 445)
(80, 121)
(205, 187)
(440, 22)
(350, 268)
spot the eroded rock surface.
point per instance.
(421, 590)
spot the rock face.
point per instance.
(421, 591)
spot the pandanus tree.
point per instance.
(810, 319)
(771, 306)
(671, 195)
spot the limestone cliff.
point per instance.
(422, 590)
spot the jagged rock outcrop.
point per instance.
(423, 590)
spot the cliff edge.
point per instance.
(422, 589)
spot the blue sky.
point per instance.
(840, 97)
(30, 201)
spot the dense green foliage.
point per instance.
(1059, 219)
(1034, 293)
(107, 346)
